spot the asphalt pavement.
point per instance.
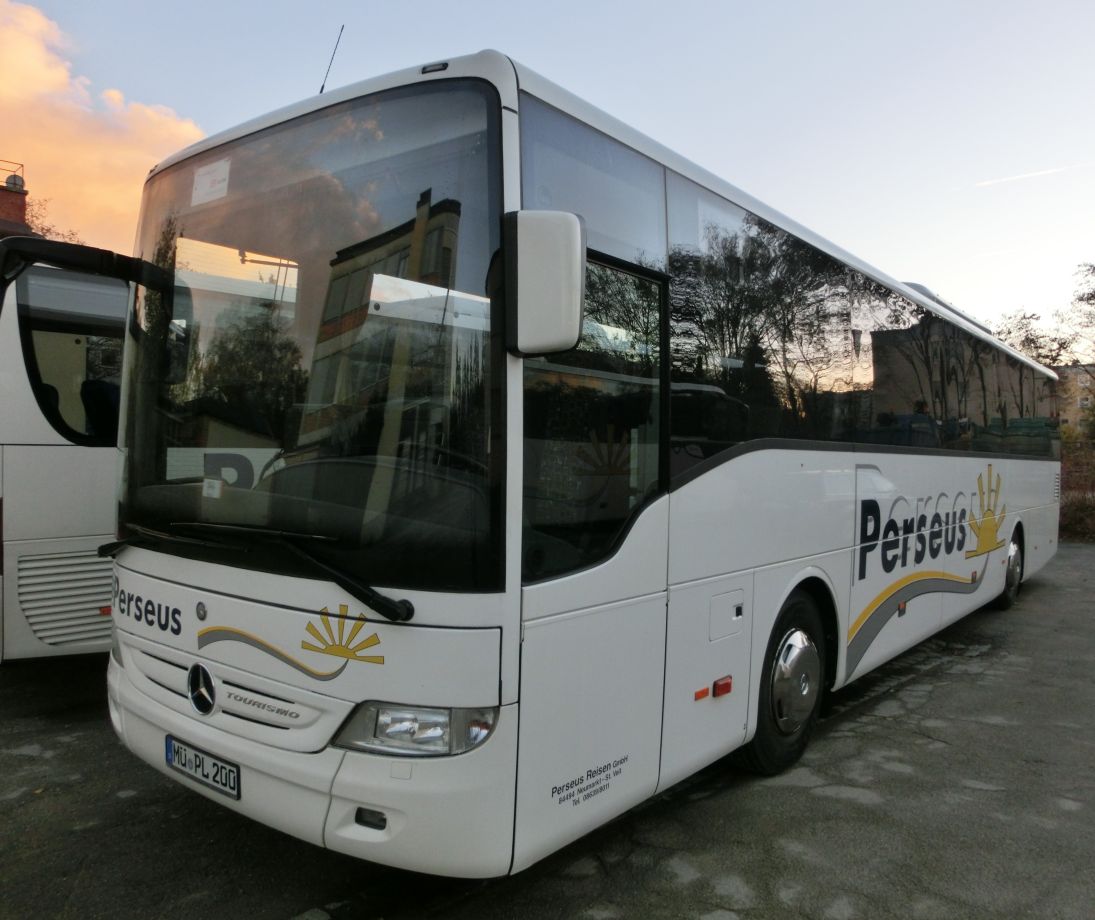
(955, 782)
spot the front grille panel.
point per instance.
(246, 704)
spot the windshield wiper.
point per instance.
(148, 535)
(252, 530)
(398, 611)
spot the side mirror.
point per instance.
(545, 281)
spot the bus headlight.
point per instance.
(421, 731)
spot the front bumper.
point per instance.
(447, 816)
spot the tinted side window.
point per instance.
(1025, 424)
(591, 427)
(72, 328)
(760, 333)
(922, 382)
(568, 166)
(899, 357)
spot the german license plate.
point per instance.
(202, 766)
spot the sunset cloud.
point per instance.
(86, 151)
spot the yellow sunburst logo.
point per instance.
(334, 640)
(986, 527)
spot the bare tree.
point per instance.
(1023, 330)
(39, 223)
(1078, 322)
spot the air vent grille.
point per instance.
(63, 596)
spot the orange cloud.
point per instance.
(88, 154)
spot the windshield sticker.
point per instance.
(331, 640)
(210, 182)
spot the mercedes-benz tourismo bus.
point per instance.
(488, 468)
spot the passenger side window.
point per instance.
(72, 328)
(619, 193)
(899, 352)
(923, 382)
(591, 427)
(760, 336)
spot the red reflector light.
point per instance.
(702, 694)
(723, 686)
(105, 611)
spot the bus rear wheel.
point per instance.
(790, 688)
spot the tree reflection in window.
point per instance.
(772, 338)
(591, 427)
(760, 332)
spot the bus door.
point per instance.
(594, 550)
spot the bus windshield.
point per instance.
(323, 366)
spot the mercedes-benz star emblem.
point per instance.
(200, 689)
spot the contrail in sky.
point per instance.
(1019, 178)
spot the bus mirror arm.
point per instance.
(17, 252)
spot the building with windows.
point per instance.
(1075, 392)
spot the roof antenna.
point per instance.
(329, 63)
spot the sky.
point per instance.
(950, 142)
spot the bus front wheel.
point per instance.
(790, 688)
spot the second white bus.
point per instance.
(60, 377)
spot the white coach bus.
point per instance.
(60, 373)
(489, 468)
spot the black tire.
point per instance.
(1013, 577)
(786, 720)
